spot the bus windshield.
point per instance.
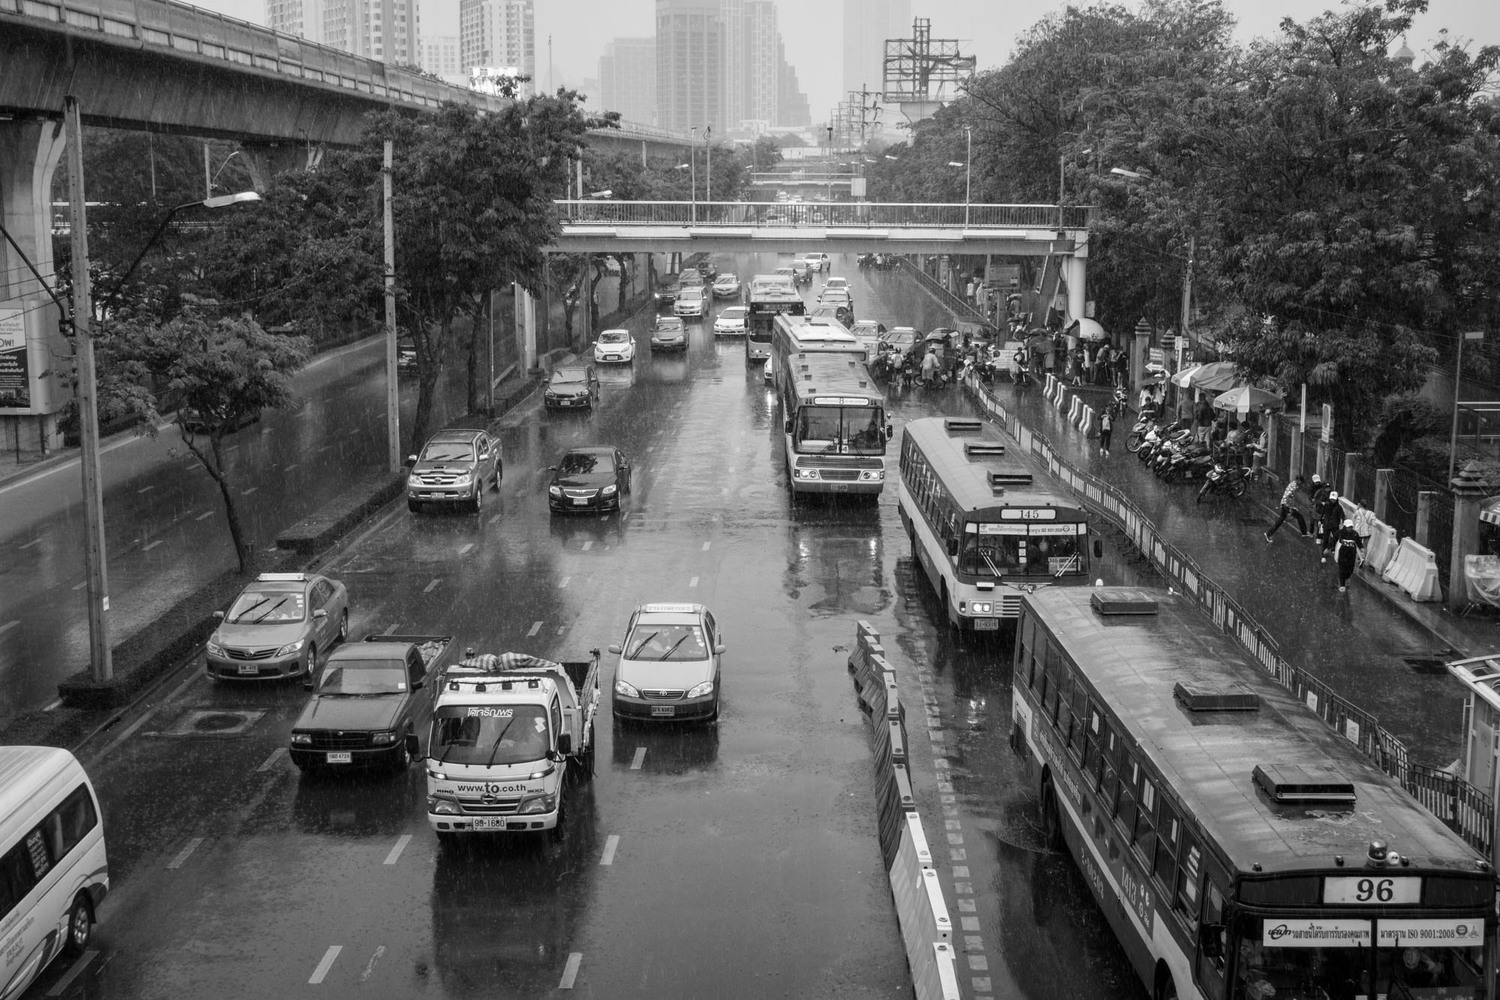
(1411, 973)
(997, 550)
(839, 430)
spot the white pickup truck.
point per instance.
(507, 731)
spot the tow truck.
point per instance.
(511, 734)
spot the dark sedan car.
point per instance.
(589, 479)
(572, 387)
(669, 335)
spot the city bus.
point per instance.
(792, 336)
(766, 297)
(835, 426)
(1239, 847)
(985, 520)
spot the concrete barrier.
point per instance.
(1050, 387)
(1088, 422)
(1075, 407)
(921, 912)
(1414, 570)
(1381, 547)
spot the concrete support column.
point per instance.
(265, 162)
(525, 307)
(29, 153)
(1139, 345)
(1075, 270)
(1469, 493)
(1323, 460)
(1273, 442)
(1295, 464)
(1351, 459)
(1382, 504)
(1423, 532)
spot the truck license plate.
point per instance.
(663, 709)
(580, 501)
(986, 624)
(840, 488)
(340, 757)
(486, 823)
(249, 668)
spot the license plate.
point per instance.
(249, 668)
(340, 757)
(486, 823)
(580, 501)
(840, 487)
(663, 709)
(611, 357)
(986, 624)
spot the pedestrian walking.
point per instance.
(930, 368)
(1122, 367)
(1288, 506)
(1204, 417)
(1330, 517)
(1106, 428)
(1348, 545)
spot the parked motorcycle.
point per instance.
(1137, 435)
(1190, 464)
(1222, 480)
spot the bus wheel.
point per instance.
(1166, 987)
(1051, 825)
(80, 925)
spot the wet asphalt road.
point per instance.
(737, 860)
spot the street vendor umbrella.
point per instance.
(1216, 376)
(1087, 329)
(1247, 399)
(1039, 343)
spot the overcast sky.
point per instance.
(811, 29)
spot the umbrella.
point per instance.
(1247, 398)
(1216, 376)
(1087, 329)
(1039, 343)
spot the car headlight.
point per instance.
(628, 690)
(981, 607)
(699, 690)
(415, 481)
(301, 739)
(214, 649)
(290, 648)
(442, 805)
(463, 480)
(383, 739)
(607, 491)
(555, 491)
(535, 804)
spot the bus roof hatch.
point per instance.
(1204, 698)
(1295, 783)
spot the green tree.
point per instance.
(765, 154)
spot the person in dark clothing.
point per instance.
(1348, 543)
(1106, 429)
(1288, 506)
(1330, 516)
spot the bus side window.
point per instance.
(1062, 693)
(1212, 943)
(1025, 641)
(1167, 832)
(1145, 823)
(78, 817)
(1080, 719)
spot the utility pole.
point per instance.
(1187, 295)
(208, 180)
(392, 398)
(101, 665)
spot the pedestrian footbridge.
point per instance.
(598, 226)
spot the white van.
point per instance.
(53, 873)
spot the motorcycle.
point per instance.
(1189, 464)
(1223, 480)
(1137, 436)
(1159, 438)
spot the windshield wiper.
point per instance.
(640, 646)
(673, 648)
(495, 747)
(1071, 561)
(268, 611)
(447, 747)
(240, 617)
(994, 570)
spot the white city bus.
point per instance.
(835, 426)
(767, 296)
(794, 336)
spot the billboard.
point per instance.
(33, 356)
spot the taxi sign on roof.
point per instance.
(282, 578)
(669, 608)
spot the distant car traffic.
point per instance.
(614, 346)
(277, 627)
(869, 333)
(796, 275)
(455, 466)
(900, 339)
(365, 708)
(572, 387)
(726, 286)
(669, 335)
(703, 263)
(406, 357)
(691, 301)
(832, 282)
(669, 664)
(691, 277)
(818, 261)
(589, 478)
(731, 321)
(667, 286)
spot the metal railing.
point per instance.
(849, 214)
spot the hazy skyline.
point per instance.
(813, 32)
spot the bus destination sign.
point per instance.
(1028, 514)
(1371, 890)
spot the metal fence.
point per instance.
(863, 215)
(1465, 809)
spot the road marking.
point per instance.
(9, 625)
(564, 582)
(329, 957)
(612, 842)
(370, 968)
(431, 586)
(251, 490)
(494, 520)
(588, 544)
(80, 586)
(34, 541)
(53, 706)
(272, 760)
(183, 854)
(706, 545)
(640, 757)
(535, 628)
(204, 516)
(148, 548)
(395, 854)
(391, 630)
(61, 986)
(146, 489)
(465, 550)
(289, 468)
(264, 431)
(570, 971)
(693, 582)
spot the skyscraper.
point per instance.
(689, 64)
(500, 34)
(440, 56)
(627, 79)
(386, 30)
(762, 61)
(867, 24)
(303, 18)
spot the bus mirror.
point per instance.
(890, 432)
(1098, 549)
(953, 546)
(1211, 940)
(788, 427)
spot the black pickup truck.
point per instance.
(369, 698)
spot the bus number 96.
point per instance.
(1364, 889)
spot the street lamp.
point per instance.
(828, 160)
(693, 170)
(968, 171)
(215, 179)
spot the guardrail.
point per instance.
(841, 214)
(1466, 810)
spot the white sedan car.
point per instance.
(669, 664)
(726, 286)
(731, 322)
(614, 346)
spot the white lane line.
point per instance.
(9, 625)
(203, 516)
(80, 586)
(494, 520)
(146, 489)
(264, 431)
(431, 586)
(588, 545)
(395, 854)
(183, 854)
(148, 548)
(245, 493)
(640, 758)
(364, 977)
(564, 582)
(34, 541)
(327, 963)
(272, 760)
(612, 842)
(289, 468)
(535, 628)
(570, 971)
(53, 706)
(693, 582)
(391, 630)
(706, 545)
(465, 550)
(61, 986)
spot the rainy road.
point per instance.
(738, 860)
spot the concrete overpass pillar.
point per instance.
(1075, 271)
(31, 346)
(266, 161)
(525, 307)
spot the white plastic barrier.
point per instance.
(1074, 409)
(921, 911)
(1051, 387)
(1414, 570)
(1088, 422)
(1381, 547)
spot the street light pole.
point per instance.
(828, 157)
(693, 170)
(968, 170)
(708, 183)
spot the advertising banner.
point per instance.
(15, 367)
(1330, 933)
